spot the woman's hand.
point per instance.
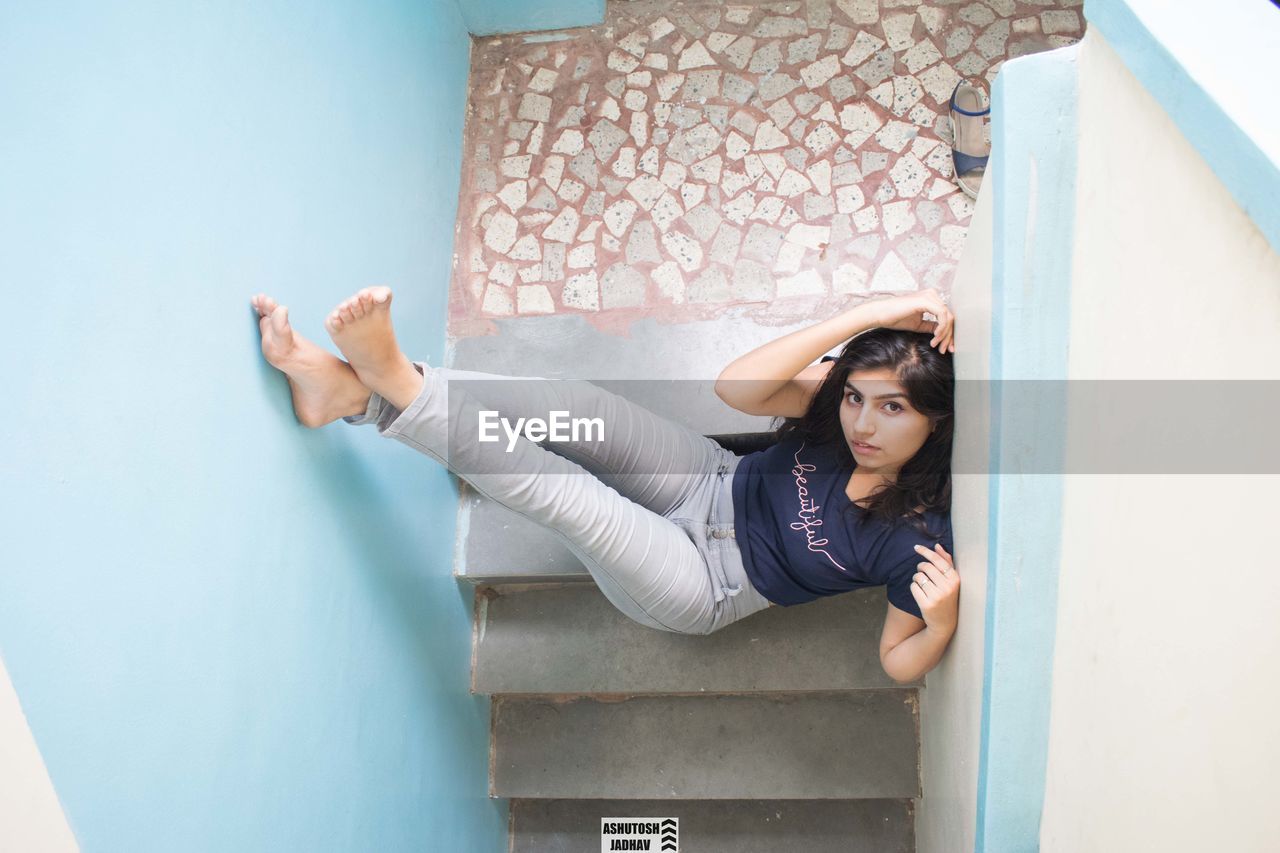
(936, 589)
(907, 312)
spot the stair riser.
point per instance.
(733, 826)
(860, 745)
(571, 640)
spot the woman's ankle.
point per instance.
(402, 388)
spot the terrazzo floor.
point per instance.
(683, 159)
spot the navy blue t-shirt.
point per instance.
(799, 543)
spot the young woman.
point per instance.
(855, 493)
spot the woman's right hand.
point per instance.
(907, 312)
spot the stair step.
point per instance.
(847, 745)
(723, 826)
(500, 546)
(571, 639)
(497, 545)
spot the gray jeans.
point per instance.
(648, 509)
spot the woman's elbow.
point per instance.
(902, 682)
(905, 682)
(900, 676)
(895, 675)
(730, 393)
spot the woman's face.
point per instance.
(875, 411)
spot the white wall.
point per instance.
(1165, 680)
(951, 703)
(31, 818)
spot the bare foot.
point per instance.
(324, 386)
(361, 327)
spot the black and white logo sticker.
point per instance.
(658, 834)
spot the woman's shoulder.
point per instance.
(935, 520)
(796, 440)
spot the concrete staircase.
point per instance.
(778, 733)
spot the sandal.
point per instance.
(969, 149)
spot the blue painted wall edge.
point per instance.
(1034, 132)
(495, 17)
(1249, 168)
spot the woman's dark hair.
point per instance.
(928, 377)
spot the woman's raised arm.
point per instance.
(752, 379)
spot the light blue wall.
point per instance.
(488, 17)
(229, 632)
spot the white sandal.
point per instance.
(969, 148)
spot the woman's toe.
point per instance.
(275, 321)
(380, 294)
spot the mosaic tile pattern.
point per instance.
(683, 157)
